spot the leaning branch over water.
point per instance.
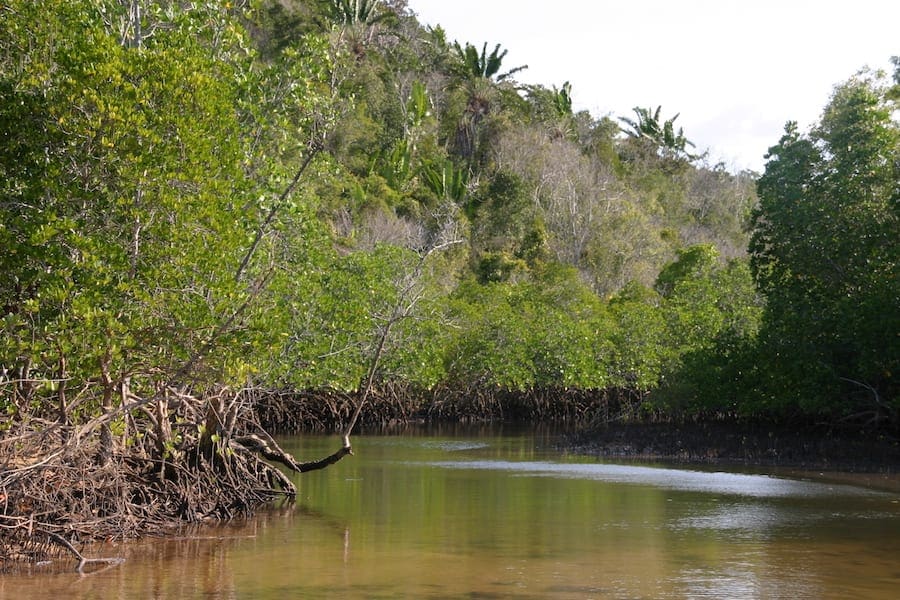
(409, 296)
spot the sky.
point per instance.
(734, 71)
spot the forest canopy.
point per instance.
(234, 195)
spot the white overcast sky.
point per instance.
(736, 71)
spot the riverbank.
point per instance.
(603, 423)
(179, 460)
(748, 444)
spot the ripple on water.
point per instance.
(739, 484)
(454, 446)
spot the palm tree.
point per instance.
(478, 74)
(663, 135)
(358, 20)
(484, 65)
(355, 12)
(562, 100)
(479, 95)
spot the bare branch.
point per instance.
(403, 307)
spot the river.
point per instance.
(488, 514)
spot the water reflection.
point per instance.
(733, 519)
(744, 580)
(759, 486)
(454, 446)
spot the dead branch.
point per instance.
(263, 444)
(82, 560)
(403, 308)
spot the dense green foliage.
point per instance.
(826, 249)
(133, 177)
(151, 233)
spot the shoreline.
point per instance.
(754, 444)
(232, 477)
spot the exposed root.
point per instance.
(185, 460)
(151, 464)
(390, 405)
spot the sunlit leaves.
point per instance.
(132, 188)
(548, 334)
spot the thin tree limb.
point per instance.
(401, 310)
(314, 149)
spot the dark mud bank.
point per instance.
(743, 444)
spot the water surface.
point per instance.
(505, 516)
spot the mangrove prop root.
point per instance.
(63, 485)
(392, 404)
(176, 459)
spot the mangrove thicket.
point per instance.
(225, 218)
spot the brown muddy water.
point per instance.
(503, 515)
